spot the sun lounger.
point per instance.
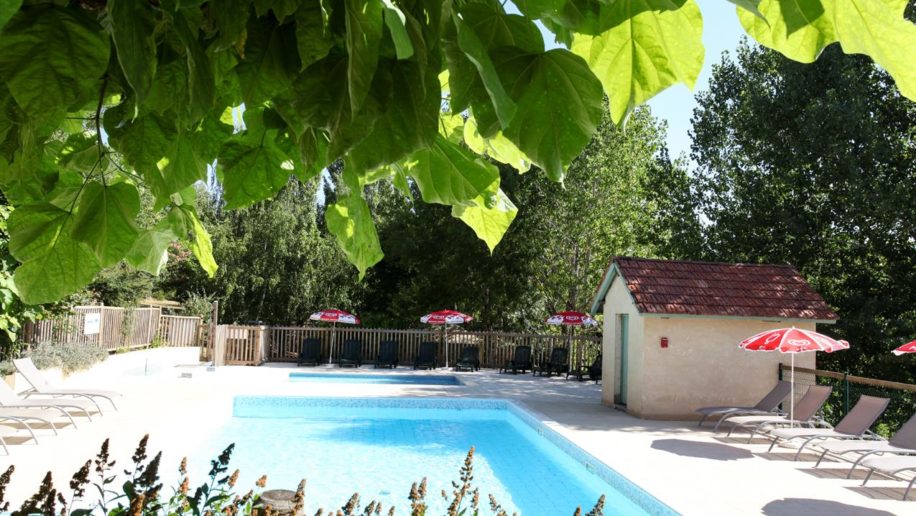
(469, 359)
(558, 363)
(41, 386)
(805, 414)
(426, 358)
(9, 399)
(768, 404)
(853, 426)
(902, 443)
(891, 466)
(593, 371)
(352, 355)
(30, 416)
(521, 361)
(387, 354)
(310, 353)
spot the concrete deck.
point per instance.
(689, 469)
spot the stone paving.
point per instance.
(691, 470)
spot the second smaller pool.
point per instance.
(440, 379)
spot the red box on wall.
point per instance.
(664, 342)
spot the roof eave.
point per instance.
(745, 317)
(608, 279)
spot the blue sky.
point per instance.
(721, 31)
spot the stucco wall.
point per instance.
(703, 365)
(618, 301)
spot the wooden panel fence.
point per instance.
(253, 344)
(116, 327)
(181, 331)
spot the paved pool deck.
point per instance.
(691, 470)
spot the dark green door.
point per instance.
(624, 328)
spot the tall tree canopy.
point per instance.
(816, 166)
(99, 97)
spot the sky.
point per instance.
(721, 31)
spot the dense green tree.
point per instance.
(816, 166)
(101, 97)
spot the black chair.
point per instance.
(558, 363)
(521, 361)
(387, 354)
(310, 353)
(352, 354)
(593, 371)
(469, 359)
(426, 359)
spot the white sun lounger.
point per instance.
(853, 426)
(40, 385)
(891, 466)
(9, 399)
(902, 443)
(767, 405)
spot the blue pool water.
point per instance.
(374, 378)
(380, 446)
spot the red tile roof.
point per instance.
(721, 289)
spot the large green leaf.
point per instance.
(650, 45)
(150, 251)
(51, 58)
(877, 28)
(105, 220)
(133, 32)
(560, 104)
(269, 66)
(312, 37)
(396, 21)
(200, 243)
(489, 217)
(364, 32)
(7, 9)
(497, 147)
(201, 82)
(53, 263)
(751, 6)
(798, 29)
(252, 168)
(350, 221)
(446, 173)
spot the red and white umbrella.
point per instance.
(444, 318)
(792, 341)
(334, 316)
(571, 319)
(909, 347)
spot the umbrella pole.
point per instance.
(445, 338)
(331, 348)
(792, 391)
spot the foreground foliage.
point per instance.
(141, 492)
(99, 97)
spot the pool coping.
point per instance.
(536, 421)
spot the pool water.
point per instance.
(379, 447)
(374, 378)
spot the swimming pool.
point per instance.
(408, 379)
(380, 446)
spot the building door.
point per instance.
(623, 324)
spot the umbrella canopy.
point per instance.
(571, 319)
(334, 316)
(445, 317)
(792, 341)
(909, 347)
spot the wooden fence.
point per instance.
(181, 331)
(256, 344)
(109, 327)
(114, 328)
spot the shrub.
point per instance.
(69, 357)
(141, 492)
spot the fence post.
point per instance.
(779, 371)
(846, 393)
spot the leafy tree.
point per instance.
(674, 230)
(814, 166)
(99, 97)
(276, 265)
